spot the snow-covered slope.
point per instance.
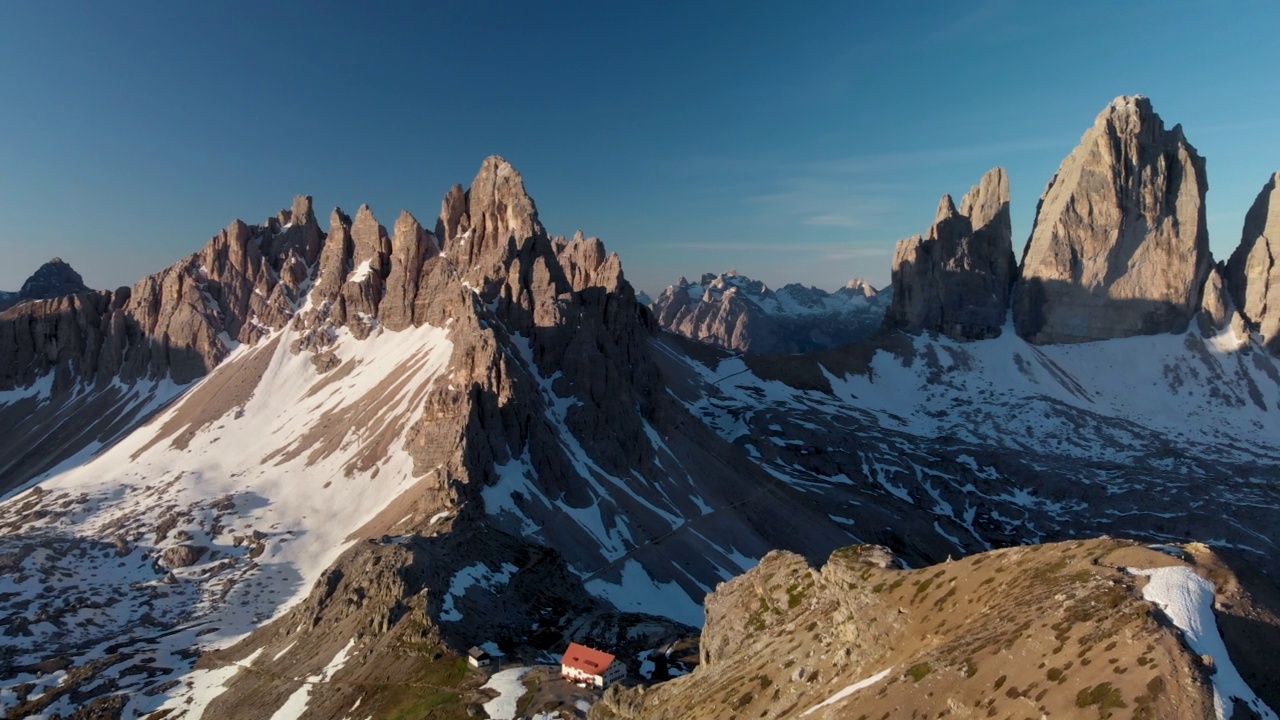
(219, 514)
(1001, 441)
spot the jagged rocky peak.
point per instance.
(335, 259)
(411, 245)
(179, 322)
(294, 232)
(955, 280)
(52, 279)
(1253, 275)
(370, 260)
(858, 286)
(494, 217)
(1119, 245)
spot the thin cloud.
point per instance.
(872, 163)
(858, 254)
(981, 19)
(840, 221)
(825, 249)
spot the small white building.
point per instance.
(589, 666)
(477, 657)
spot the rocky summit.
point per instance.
(1119, 246)
(51, 280)
(734, 312)
(302, 471)
(955, 281)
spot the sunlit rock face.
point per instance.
(1252, 272)
(1119, 247)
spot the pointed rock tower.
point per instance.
(1119, 246)
(955, 281)
(1253, 275)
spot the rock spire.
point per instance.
(955, 280)
(1253, 275)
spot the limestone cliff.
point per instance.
(955, 280)
(1119, 246)
(1253, 275)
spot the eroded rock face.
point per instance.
(1119, 247)
(1253, 273)
(955, 281)
(178, 323)
(410, 247)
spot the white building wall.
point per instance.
(573, 674)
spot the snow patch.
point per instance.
(360, 273)
(1187, 599)
(509, 688)
(477, 574)
(638, 592)
(849, 690)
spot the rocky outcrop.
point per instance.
(1216, 307)
(178, 323)
(1119, 247)
(294, 232)
(860, 638)
(736, 313)
(955, 281)
(1253, 273)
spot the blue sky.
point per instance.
(796, 144)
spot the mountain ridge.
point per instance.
(734, 312)
(476, 434)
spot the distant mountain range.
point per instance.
(734, 312)
(299, 472)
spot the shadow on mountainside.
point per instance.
(1056, 311)
(1248, 615)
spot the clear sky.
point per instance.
(794, 142)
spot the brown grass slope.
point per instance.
(1057, 630)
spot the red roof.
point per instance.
(586, 659)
